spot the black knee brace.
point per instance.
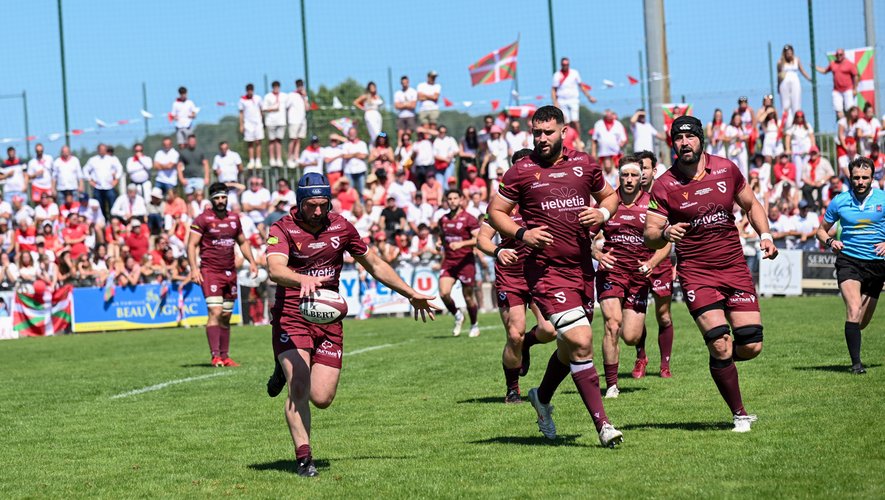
(716, 333)
(749, 334)
(720, 363)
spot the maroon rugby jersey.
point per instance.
(712, 241)
(320, 254)
(553, 196)
(218, 238)
(522, 250)
(457, 228)
(623, 234)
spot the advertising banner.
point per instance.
(783, 275)
(142, 306)
(819, 273)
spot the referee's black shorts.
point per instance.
(870, 273)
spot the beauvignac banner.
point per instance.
(140, 307)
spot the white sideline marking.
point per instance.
(371, 348)
(164, 385)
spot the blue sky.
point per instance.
(717, 51)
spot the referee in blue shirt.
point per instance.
(860, 265)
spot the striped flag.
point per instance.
(45, 314)
(864, 59)
(495, 67)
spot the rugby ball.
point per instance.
(323, 307)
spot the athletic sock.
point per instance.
(611, 374)
(213, 333)
(640, 347)
(302, 451)
(224, 342)
(665, 344)
(471, 312)
(530, 339)
(852, 338)
(587, 381)
(450, 305)
(725, 374)
(511, 378)
(553, 376)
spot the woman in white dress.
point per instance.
(788, 69)
(737, 142)
(770, 127)
(716, 135)
(799, 140)
(370, 103)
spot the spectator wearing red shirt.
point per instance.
(50, 240)
(473, 183)
(572, 139)
(844, 82)
(346, 194)
(26, 238)
(784, 170)
(175, 206)
(137, 241)
(70, 205)
(74, 236)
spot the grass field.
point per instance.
(420, 414)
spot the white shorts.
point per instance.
(843, 101)
(276, 132)
(570, 109)
(253, 132)
(298, 130)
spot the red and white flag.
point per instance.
(495, 67)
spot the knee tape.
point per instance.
(214, 302)
(227, 306)
(566, 320)
(720, 363)
(749, 334)
(716, 333)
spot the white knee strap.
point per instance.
(227, 306)
(214, 301)
(566, 320)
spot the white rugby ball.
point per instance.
(323, 307)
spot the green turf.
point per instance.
(423, 417)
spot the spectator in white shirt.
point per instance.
(227, 166)
(333, 157)
(67, 174)
(422, 158)
(256, 200)
(47, 210)
(781, 227)
(40, 173)
(130, 206)
(405, 101)
(497, 156)
(355, 153)
(445, 150)
(370, 103)
(402, 190)
(644, 133)
(566, 87)
(516, 139)
(311, 160)
(284, 192)
(871, 126)
(103, 172)
(296, 116)
(251, 125)
(138, 168)
(274, 107)
(428, 100)
(608, 139)
(183, 113)
(805, 223)
(166, 165)
(419, 213)
(14, 176)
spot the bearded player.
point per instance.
(458, 230)
(513, 299)
(692, 206)
(625, 265)
(213, 236)
(553, 187)
(305, 253)
(661, 281)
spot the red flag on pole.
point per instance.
(632, 80)
(447, 102)
(495, 104)
(495, 67)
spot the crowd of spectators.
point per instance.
(111, 222)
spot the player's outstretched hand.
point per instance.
(880, 248)
(676, 232)
(590, 217)
(769, 251)
(507, 256)
(196, 277)
(537, 237)
(309, 284)
(645, 268)
(421, 303)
